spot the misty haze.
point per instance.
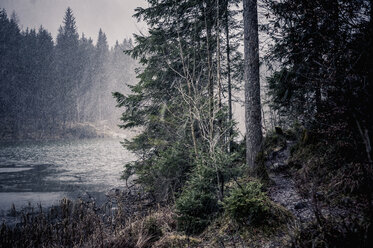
(186, 123)
(59, 122)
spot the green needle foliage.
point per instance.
(179, 103)
(247, 204)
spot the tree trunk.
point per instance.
(253, 118)
(207, 18)
(218, 72)
(228, 51)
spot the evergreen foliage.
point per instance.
(319, 49)
(178, 100)
(248, 204)
(200, 201)
(180, 106)
(324, 80)
(46, 86)
(322, 49)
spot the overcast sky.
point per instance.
(113, 16)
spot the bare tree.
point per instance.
(253, 118)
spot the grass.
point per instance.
(123, 221)
(126, 220)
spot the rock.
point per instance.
(300, 205)
(278, 167)
(319, 196)
(279, 130)
(277, 149)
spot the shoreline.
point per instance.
(100, 202)
(74, 131)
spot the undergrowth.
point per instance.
(331, 174)
(237, 214)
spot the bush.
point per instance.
(247, 204)
(196, 210)
(198, 202)
(164, 174)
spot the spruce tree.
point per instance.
(11, 65)
(101, 78)
(46, 80)
(67, 67)
(87, 109)
(178, 101)
(253, 118)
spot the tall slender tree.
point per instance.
(67, 66)
(253, 118)
(229, 77)
(102, 55)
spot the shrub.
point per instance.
(195, 211)
(247, 204)
(198, 202)
(164, 174)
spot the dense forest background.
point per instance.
(48, 87)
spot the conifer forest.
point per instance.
(214, 123)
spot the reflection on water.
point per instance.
(44, 172)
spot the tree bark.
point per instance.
(228, 51)
(253, 118)
(208, 16)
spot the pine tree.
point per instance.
(252, 86)
(46, 80)
(179, 102)
(68, 67)
(314, 44)
(87, 109)
(101, 60)
(11, 105)
(323, 50)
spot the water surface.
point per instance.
(45, 172)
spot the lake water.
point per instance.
(45, 172)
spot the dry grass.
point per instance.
(125, 220)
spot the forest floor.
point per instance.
(283, 189)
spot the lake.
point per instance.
(45, 172)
